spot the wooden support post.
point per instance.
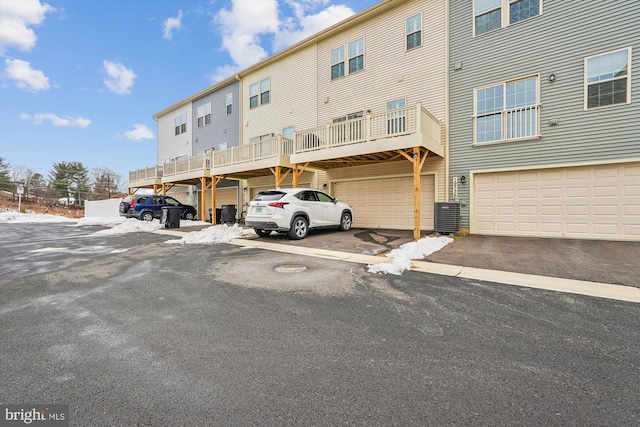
(203, 198)
(416, 192)
(164, 189)
(277, 172)
(297, 172)
(417, 160)
(215, 180)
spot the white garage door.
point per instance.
(387, 203)
(224, 196)
(590, 202)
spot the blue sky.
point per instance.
(81, 79)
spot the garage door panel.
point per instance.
(581, 202)
(388, 202)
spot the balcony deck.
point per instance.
(187, 171)
(373, 138)
(146, 178)
(370, 139)
(253, 160)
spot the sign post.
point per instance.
(20, 191)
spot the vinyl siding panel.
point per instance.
(556, 42)
(223, 128)
(171, 145)
(293, 89)
(390, 71)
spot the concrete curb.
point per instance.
(595, 289)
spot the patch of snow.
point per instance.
(17, 217)
(401, 257)
(132, 225)
(214, 234)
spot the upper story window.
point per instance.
(507, 111)
(229, 103)
(396, 116)
(259, 93)
(355, 52)
(356, 56)
(204, 115)
(490, 15)
(607, 79)
(181, 124)
(414, 31)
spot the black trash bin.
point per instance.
(218, 216)
(170, 216)
(228, 213)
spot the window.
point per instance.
(204, 115)
(288, 132)
(489, 15)
(265, 90)
(181, 124)
(337, 63)
(414, 31)
(222, 146)
(355, 52)
(229, 103)
(607, 79)
(396, 116)
(507, 111)
(259, 93)
(356, 56)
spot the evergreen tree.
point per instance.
(5, 181)
(70, 179)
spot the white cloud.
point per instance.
(139, 133)
(250, 25)
(26, 77)
(119, 78)
(306, 25)
(172, 24)
(56, 121)
(16, 19)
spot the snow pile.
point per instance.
(132, 225)
(214, 234)
(401, 257)
(17, 217)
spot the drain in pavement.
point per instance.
(290, 268)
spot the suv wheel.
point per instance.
(190, 215)
(299, 228)
(345, 221)
(146, 216)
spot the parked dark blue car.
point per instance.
(146, 207)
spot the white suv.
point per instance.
(295, 211)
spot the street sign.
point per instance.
(20, 189)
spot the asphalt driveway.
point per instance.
(129, 330)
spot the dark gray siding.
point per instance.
(556, 42)
(223, 128)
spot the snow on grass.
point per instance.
(17, 217)
(214, 234)
(401, 257)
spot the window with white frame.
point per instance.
(288, 132)
(507, 111)
(260, 93)
(337, 63)
(356, 56)
(229, 103)
(607, 79)
(204, 115)
(489, 15)
(396, 116)
(340, 66)
(181, 124)
(414, 31)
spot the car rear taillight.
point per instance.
(278, 204)
(133, 202)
